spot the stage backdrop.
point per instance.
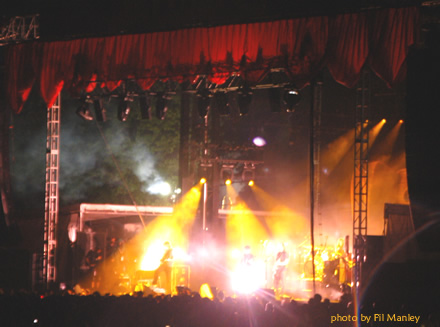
(343, 43)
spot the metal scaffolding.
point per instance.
(317, 111)
(51, 193)
(315, 152)
(360, 182)
(19, 29)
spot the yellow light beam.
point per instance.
(244, 228)
(337, 149)
(374, 132)
(174, 229)
(386, 147)
(284, 223)
(144, 250)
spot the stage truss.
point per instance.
(360, 182)
(51, 193)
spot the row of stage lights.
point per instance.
(220, 100)
(125, 105)
(206, 99)
(281, 93)
(227, 175)
(228, 181)
(384, 121)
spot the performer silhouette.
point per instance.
(166, 264)
(281, 261)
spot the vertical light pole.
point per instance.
(205, 164)
(205, 201)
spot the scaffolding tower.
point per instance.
(317, 111)
(51, 193)
(19, 29)
(360, 182)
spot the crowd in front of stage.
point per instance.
(184, 310)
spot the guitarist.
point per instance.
(281, 261)
(166, 264)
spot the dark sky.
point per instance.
(66, 19)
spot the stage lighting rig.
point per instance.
(124, 107)
(20, 29)
(100, 112)
(221, 103)
(291, 98)
(203, 101)
(83, 111)
(248, 174)
(145, 106)
(161, 105)
(227, 173)
(275, 99)
(244, 95)
(274, 78)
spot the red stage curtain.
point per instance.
(303, 46)
(392, 35)
(348, 47)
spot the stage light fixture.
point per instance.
(228, 182)
(248, 173)
(124, 107)
(401, 121)
(202, 180)
(83, 111)
(221, 103)
(384, 121)
(291, 98)
(244, 99)
(251, 183)
(161, 105)
(259, 141)
(145, 107)
(203, 101)
(100, 112)
(227, 173)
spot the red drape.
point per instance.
(344, 43)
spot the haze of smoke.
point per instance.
(144, 163)
(27, 165)
(80, 156)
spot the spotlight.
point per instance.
(202, 180)
(124, 108)
(251, 183)
(291, 98)
(161, 105)
(248, 173)
(100, 112)
(259, 141)
(244, 99)
(83, 111)
(401, 121)
(221, 103)
(203, 101)
(227, 173)
(145, 107)
(384, 121)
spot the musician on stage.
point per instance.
(248, 258)
(93, 261)
(281, 261)
(166, 264)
